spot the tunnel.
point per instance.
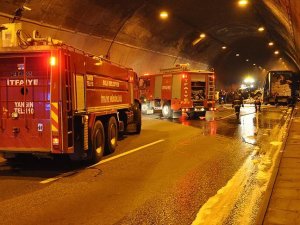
(220, 35)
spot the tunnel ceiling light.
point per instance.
(247, 60)
(197, 40)
(237, 54)
(224, 47)
(164, 15)
(26, 8)
(261, 29)
(254, 64)
(276, 52)
(271, 43)
(243, 3)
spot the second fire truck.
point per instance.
(178, 89)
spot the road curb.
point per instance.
(269, 190)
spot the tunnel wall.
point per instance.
(142, 60)
(288, 15)
(296, 26)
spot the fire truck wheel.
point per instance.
(97, 148)
(112, 135)
(166, 110)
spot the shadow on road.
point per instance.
(40, 168)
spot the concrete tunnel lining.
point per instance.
(146, 44)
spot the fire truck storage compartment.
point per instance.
(80, 93)
(25, 102)
(176, 86)
(158, 87)
(198, 89)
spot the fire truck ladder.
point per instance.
(211, 87)
(69, 101)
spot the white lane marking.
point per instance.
(126, 153)
(231, 115)
(103, 161)
(222, 118)
(50, 180)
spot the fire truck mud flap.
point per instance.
(136, 126)
(137, 115)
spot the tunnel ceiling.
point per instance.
(137, 23)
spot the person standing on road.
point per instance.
(237, 102)
(257, 104)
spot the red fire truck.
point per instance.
(55, 99)
(178, 89)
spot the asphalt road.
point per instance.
(165, 175)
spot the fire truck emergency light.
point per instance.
(52, 61)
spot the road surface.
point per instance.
(176, 171)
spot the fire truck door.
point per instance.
(25, 102)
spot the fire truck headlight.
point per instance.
(15, 115)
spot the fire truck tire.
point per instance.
(111, 129)
(97, 143)
(167, 111)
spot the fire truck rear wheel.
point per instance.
(167, 111)
(97, 145)
(112, 135)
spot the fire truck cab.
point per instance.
(57, 100)
(178, 89)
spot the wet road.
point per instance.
(176, 172)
